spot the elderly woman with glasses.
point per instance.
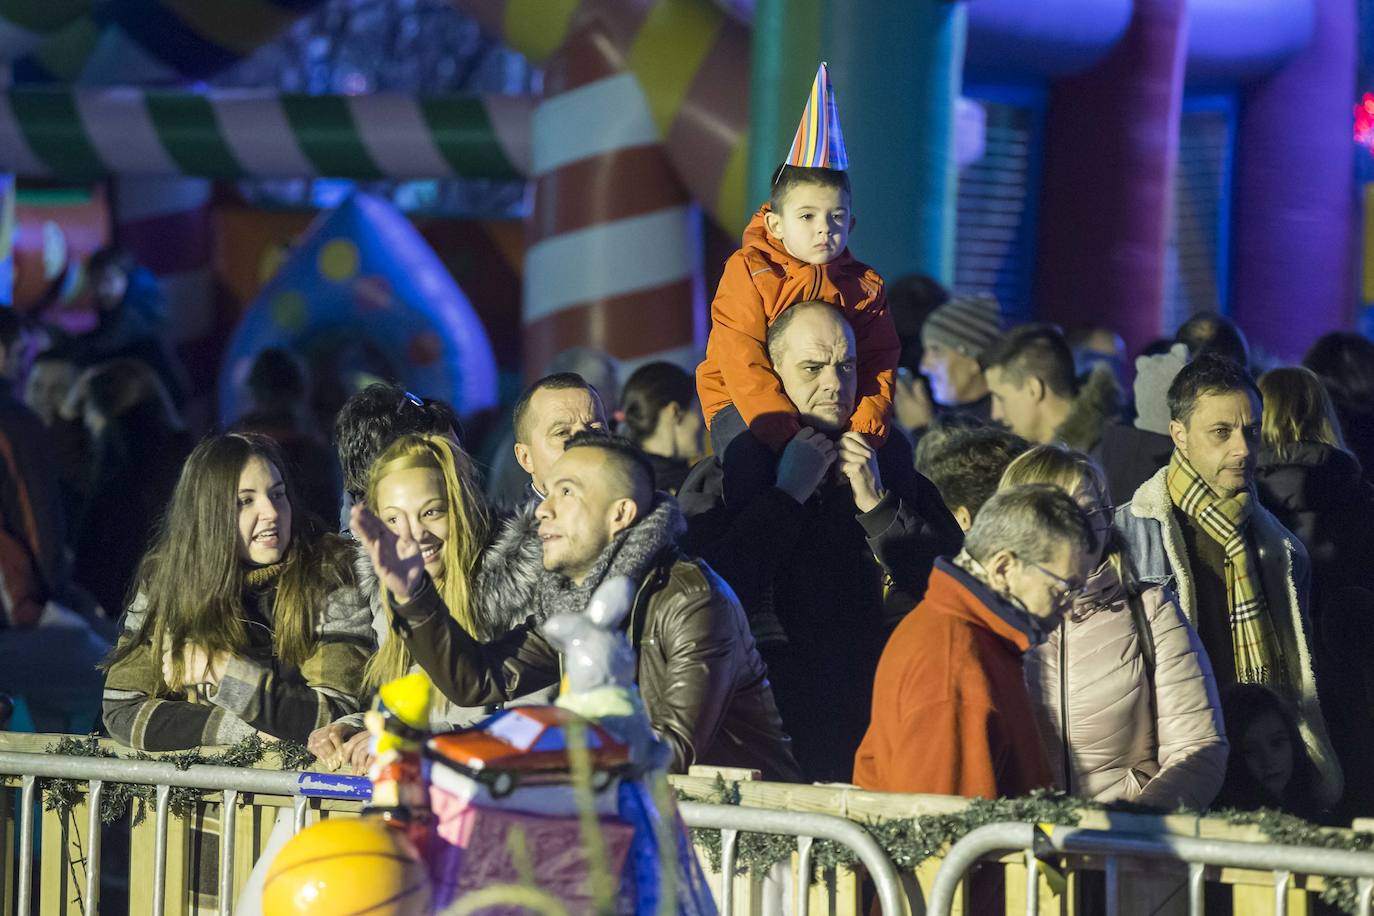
(1123, 690)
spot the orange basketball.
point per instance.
(347, 865)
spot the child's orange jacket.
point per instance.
(760, 282)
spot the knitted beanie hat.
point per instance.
(969, 324)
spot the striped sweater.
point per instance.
(257, 693)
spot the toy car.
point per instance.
(527, 745)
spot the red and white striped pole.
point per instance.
(614, 260)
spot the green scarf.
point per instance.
(1257, 656)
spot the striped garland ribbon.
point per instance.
(85, 134)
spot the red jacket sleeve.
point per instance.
(875, 333)
(739, 327)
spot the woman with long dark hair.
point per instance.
(243, 620)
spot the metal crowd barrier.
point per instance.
(97, 771)
(1113, 846)
(731, 820)
(230, 782)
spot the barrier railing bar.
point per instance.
(299, 806)
(803, 875)
(26, 797)
(1281, 879)
(1197, 881)
(97, 789)
(1009, 837)
(228, 817)
(150, 773)
(800, 824)
(164, 798)
(729, 841)
(1032, 884)
(1365, 887)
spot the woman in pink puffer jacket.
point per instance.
(1116, 725)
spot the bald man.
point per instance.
(800, 553)
(703, 683)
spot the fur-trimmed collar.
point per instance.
(631, 554)
(1097, 403)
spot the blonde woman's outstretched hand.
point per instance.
(395, 555)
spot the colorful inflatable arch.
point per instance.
(363, 294)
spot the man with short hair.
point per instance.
(704, 686)
(966, 465)
(800, 553)
(1030, 372)
(951, 714)
(548, 414)
(1241, 577)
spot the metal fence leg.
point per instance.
(804, 869)
(1032, 884)
(300, 805)
(227, 837)
(28, 786)
(1197, 882)
(1365, 895)
(93, 822)
(729, 840)
(1113, 882)
(164, 797)
(1281, 881)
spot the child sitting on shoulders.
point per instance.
(794, 250)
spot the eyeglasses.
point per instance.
(1065, 591)
(1109, 512)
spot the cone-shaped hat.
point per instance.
(819, 144)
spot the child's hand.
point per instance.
(859, 464)
(804, 463)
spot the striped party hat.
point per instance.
(819, 144)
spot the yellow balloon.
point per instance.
(347, 865)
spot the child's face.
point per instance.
(814, 223)
(1268, 753)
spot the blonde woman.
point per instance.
(1123, 690)
(1312, 484)
(426, 484)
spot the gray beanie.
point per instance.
(969, 324)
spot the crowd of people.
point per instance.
(924, 551)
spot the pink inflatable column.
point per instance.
(1295, 196)
(1111, 144)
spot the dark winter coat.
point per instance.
(807, 577)
(1319, 494)
(32, 567)
(138, 462)
(704, 685)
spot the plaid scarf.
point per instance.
(1258, 660)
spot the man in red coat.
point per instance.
(951, 715)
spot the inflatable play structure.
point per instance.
(657, 116)
(364, 295)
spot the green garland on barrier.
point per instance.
(117, 799)
(910, 841)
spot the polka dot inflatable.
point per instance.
(364, 278)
